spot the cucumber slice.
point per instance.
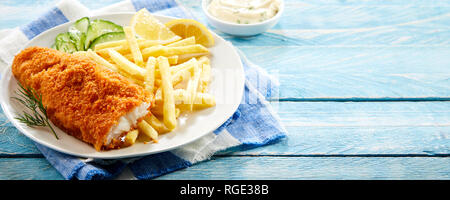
(64, 43)
(78, 38)
(81, 25)
(63, 37)
(67, 47)
(78, 32)
(107, 37)
(99, 27)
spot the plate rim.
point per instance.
(7, 75)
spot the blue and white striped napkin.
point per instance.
(254, 123)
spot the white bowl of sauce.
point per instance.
(243, 17)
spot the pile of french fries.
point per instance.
(176, 72)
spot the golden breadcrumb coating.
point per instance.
(82, 97)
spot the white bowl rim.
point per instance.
(274, 18)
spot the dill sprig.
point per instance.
(33, 101)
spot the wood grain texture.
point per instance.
(364, 86)
(346, 72)
(317, 168)
(27, 169)
(257, 168)
(352, 128)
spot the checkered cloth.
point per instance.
(252, 125)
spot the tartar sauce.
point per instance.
(244, 11)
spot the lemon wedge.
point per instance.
(188, 27)
(150, 28)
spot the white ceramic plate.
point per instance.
(227, 85)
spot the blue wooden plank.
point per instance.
(345, 72)
(27, 169)
(317, 168)
(358, 141)
(363, 128)
(383, 37)
(13, 143)
(339, 17)
(256, 168)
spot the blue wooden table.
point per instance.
(365, 93)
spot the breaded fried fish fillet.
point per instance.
(83, 98)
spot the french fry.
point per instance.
(201, 99)
(82, 53)
(205, 78)
(148, 130)
(179, 95)
(157, 81)
(183, 42)
(158, 110)
(173, 60)
(204, 100)
(183, 71)
(167, 91)
(112, 44)
(109, 44)
(108, 59)
(113, 67)
(143, 43)
(130, 138)
(148, 43)
(101, 60)
(134, 80)
(180, 76)
(130, 36)
(158, 94)
(147, 52)
(185, 57)
(156, 124)
(177, 112)
(183, 66)
(159, 99)
(129, 56)
(149, 78)
(204, 60)
(171, 51)
(193, 86)
(124, 48)
(105, 52)
(126, 65)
